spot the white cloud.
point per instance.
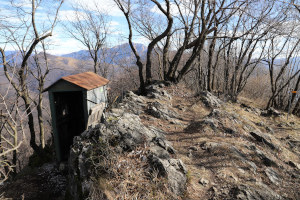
(61, 46)
(142, 40)
(60, 43)
(114, 23)
(106, 6)
(69, 15)
(19, 3)
(185, 7)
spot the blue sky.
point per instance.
(61, 42)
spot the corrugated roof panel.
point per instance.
(86, 80)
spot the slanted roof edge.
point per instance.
(85, 80)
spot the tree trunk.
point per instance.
(41, 122)
(296, 110)
(295, 89)
(210, 58)
(33, 144)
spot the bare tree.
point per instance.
(90, 28)
(40, 70)
(287, 49)
(126, 8)
(25, 37)
(244, 49)
(11, 132)
(194, 21)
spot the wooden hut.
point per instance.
(71, 100)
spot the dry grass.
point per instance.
(129, 178)
(2, 197)
(257, 91)
(222, 166)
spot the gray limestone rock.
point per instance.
(156, 91)
(210, 100)
(209, 146)
(294, 164)
(273, 176)
(267, 161)
(270, 112)
(261, 192)
(173, 169)
(264, 138)
(203, 181)
(125, 131)
(158, 110)
(193, 148)
(243, 158)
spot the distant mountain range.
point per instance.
(114, 55)
(59, 66)
(79, 61)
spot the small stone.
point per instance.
(241, 170)
(270, 130)
(272, 175)
(293, 164)
(203, 181)
(274, 112)
(296, 176)
(260, 124)
(292, 123)
(210, 100)
(229, 130)
(267, 161)
(270, 112)
(190, 154)
(62, 167)
(193, 148)
(214, 190)
(244, 105)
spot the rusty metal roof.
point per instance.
(86, 80)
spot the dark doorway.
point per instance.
(69, 119)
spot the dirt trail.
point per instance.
(229, 151)
(220, 152)
(43, 183)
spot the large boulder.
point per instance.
(157, 91)
(173, 169)
(210, 100)
(124, 131)
(133, 103)
(162, 111)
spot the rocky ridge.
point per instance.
(123, 132)
(203, 147)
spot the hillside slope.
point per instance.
(231, 151)
(171, 144)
